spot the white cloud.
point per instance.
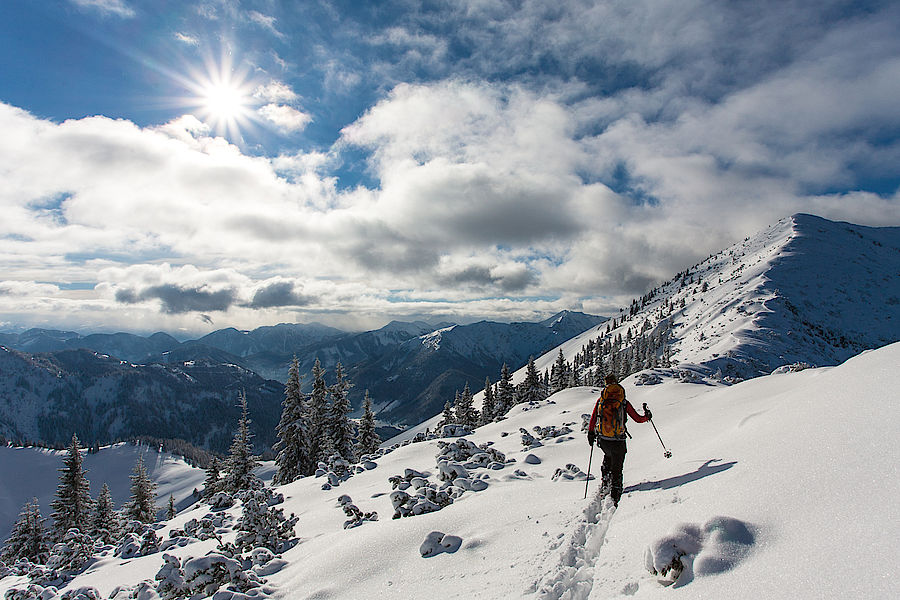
(265, 21)
(286, 118)
(187, 39)
(118, 8)
(276, 92)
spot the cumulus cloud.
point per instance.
(278, 294)
(177, 299)
(286, 118)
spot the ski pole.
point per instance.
(667, 453)
(588, 480)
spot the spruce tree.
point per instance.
(142, 505)
(506, 393)
(367, 438)
(170, 510)
(465, 409)
(292, 458)
(340, 431)
(559, 379)
(106, 524)
(532, 388)
(447, 417)
(73, 506)
(28, 539)
(488, 409)
(317, 414)
(241, 461)
(213, 482)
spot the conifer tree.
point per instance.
(465, 409)
(488, 409)
(531, 389)
(106, 524)
(447, 417)
(73, 506)
(213, 482)
(171, 512)
(506, 394)
(28, 539)
(367, 438)
(241, 461)
(559, 379)
(142, 505)
(292, 458)
(340, 431)
(317, 414)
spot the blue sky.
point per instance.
(192, 165)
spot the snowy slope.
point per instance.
(27, 473)
(795, 475)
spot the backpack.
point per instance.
(611, 414)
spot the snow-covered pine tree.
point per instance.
(340, 430)
(532, 388)
(506, 393)
(367, 441)
(240, 462)
(73, 506)
(488, 408)
(447, 417)
(559, 377)
(142, 505)
(213, 483)
(106, 524)
(465, 409)
(317, 414)
(292, 458)
(170, 510)
(28, 539)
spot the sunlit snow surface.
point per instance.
(787, 485)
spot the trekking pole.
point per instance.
(588, 480)
(667, 453)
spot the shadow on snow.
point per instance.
(705, 470)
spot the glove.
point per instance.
(647, 413)
(590, 438)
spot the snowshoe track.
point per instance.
(573, 578)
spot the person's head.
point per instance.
(610, 379)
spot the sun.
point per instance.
(222, 97)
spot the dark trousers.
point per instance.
(613, 462)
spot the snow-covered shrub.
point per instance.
(551, 432)
(647, 378)
(149, 543)
(265, 563)
(528, 440)
(72, 553)
(129, 546)
(263, 526)
(402, 482)
(221, 501)
(463, 450)
(82, 593)
(208, 574)
(437, 542)
(32, 592)
(793, 368)
(448, 471)
(171, 578)
(691, 550)
(357, 517)
(570, 472)
(205, 528)
(455, 430)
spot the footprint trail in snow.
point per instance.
(573, 578)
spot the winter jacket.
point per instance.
(611, 424)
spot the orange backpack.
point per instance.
(611, 416)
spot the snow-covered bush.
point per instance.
(570, 472)
(71, 554)
(356, 516)
(402, 482)
(82, 593)
(221, 501)
(437, 542)
(171, 578)
(793, 368)
(208, 574)
(32, 592)
(647, 378)
(263, 526)
(455, 430)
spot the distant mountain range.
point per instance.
(109, 387)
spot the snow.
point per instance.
(783, 486)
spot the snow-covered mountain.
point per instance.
(48, 397)
(778, 488)
(414, 380)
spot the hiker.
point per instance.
(607, 427)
